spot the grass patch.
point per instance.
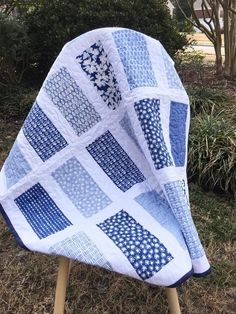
(215, 212)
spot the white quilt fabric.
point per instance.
(98, 170)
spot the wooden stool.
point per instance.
(62, 281)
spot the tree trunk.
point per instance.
(219, 60)
(218, 42)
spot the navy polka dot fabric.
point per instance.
(143, 250)
(148, 112)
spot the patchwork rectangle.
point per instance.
(132, 48)
(15, 166)
(80, 247)
(181, 210)
(148, 112)
(95, 63)
(177, 126)
(158, 207)
(67, 96)
(171, 74)
(143, 250)
(41, 212)
(42, 135)
(80, 188)
(115, 162)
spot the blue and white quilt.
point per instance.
(98, 170)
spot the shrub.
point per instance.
(16, 103)
(212, 152)
(14, 51)
(206, 99)
(190, 66)
(52, 23)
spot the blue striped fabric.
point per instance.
(42, 135)
(41, 212)
(115, 162)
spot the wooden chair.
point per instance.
(62, 281)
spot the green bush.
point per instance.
(14, 51)
(16, 103)
(212, 152)
(190, 65)
(53, 23)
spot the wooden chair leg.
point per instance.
(173, 301)
(62, 280)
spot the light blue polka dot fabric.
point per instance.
(80, 187)
(98, 170)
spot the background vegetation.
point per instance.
(32, 34)
(47, 25)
